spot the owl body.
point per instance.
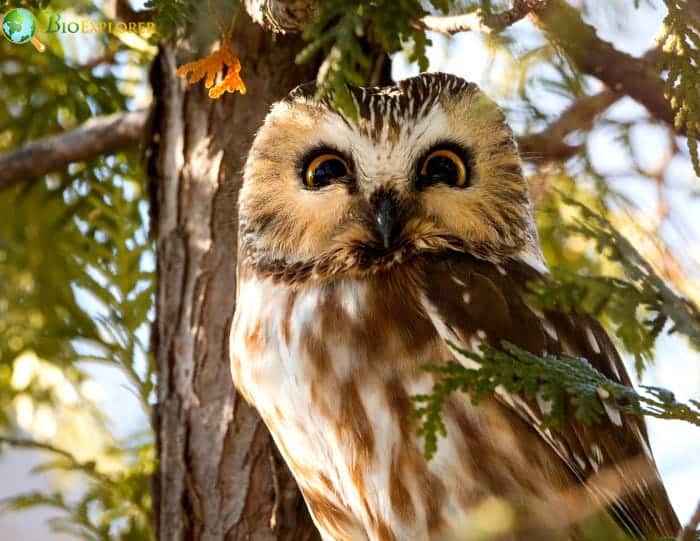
(365, 245)
(335, 368)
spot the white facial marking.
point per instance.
(550, 330)
(613, 413)
(592, 340)
(387, 160)
(581, 463)
(642, 440)
(596, 457)
(534, 259)
(352, 298)
(545, 405)
(474, 345)
(539, 313)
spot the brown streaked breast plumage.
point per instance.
(347, 364)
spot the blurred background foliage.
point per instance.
(77, 283)
(77, 265)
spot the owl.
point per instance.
(367, 242)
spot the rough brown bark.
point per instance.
(219, 477)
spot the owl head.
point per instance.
(426, 166)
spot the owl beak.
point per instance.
(386, 215)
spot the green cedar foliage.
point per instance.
(112, 506)
(680, 45)
(637, 305)
(568, 383)
(87, 283)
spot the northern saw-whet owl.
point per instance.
(367, 243)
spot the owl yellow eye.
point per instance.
(444, 165)
(325, 169)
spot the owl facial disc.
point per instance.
(427, 166)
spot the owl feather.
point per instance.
(364, 246)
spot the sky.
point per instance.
(676, 445)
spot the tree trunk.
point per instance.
(219, 475)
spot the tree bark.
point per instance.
(219, 475)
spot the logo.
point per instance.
(87, 26)
(19, 26)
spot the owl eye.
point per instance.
(325, 169)
(444, 165)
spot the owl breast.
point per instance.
(332, 368)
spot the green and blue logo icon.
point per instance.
(19, 26)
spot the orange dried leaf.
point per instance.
(223, 61)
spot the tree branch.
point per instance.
(98, 136)
(549, 146)
(689, 532)
(593, 56)
(623, 73)
(478, 21)
(104, 135)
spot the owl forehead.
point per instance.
(394, 124)
(384, 113)
(386, 152)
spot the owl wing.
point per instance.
(470, 299)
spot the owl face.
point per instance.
(427, 166)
